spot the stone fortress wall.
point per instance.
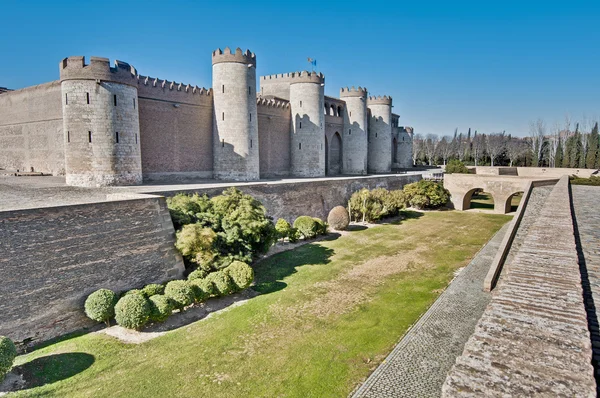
(161, 129)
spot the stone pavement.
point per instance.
(533, 339)
(418, 365)
(586, 204)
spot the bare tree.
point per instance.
(515, 148)
(445, 148)
(478, 147)
(430, 147)
(586, 127)
(537, 132)
(495, 145)
(417, 148)
(555, 140)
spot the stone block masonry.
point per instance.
(52, 258)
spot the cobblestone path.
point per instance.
(586, 204)
(418, 365)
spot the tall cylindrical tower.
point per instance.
(355, 131)
(101, 123)
(380, 134)
(235, 127)
(307, 91)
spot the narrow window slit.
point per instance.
(87, 98)
(115, 99)
(89, 136)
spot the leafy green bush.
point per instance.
(321, 226)
(132, 291)
(373, 205)
(283, 229)
(214, 232)
(8, 353)
(132, 311)
(196, 243)
(241, 274)
(426, 194)
(338, 218)
(180, 293)
(153, 289)
(455, 166)
(593, 180)
(161, 307)
(197, 274)
(306, 226)
(294, 235)
(222, 282)
(203, 289)
(100, 305)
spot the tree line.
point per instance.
(573, 145)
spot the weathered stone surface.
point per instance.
(52, 258)
(533, 337)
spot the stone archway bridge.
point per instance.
(501, 187)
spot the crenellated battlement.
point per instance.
(164, 85)
(353, 92)
(379, 100)
(238, 56)
(273, 103)
(295, 77)
(75, 68)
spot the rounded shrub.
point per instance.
(222, 282)
(197, 274)
(181, 293)
(160, 307)
(100, 305)
(338, 218)
(132, 291)
(426, 194)
(8, 353)
(455, 166)
(132, 311)
(321, 226)
(152, 290)
(283, 228)
(306, 226)
(203, 289)
(241, 274)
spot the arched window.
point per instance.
(339, 111)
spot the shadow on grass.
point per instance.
(52, 368)
(404, 215)
(270, 272)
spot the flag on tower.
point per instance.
(313, 62)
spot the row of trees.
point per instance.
(570, 145)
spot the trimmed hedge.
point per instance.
(207, 289)
(132, 311)
(100, 305)
(321, 226)
(222, 281)
(152, 290)
(197, 274)
(181, 293)
(241, 274)
(161, 307)
(306, 226)
(8, 353)
(338, 218)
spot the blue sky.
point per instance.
(491, 67)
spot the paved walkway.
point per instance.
(418, 365)
(586, 204)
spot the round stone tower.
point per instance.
(101, 123)
(308, 124)
(235, 127)
(355, 131)
(380, 134)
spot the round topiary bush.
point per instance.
(153, 289)
(181, 293)
(133, 291)
(223, 283)
(306, 226)
(203, 289)
(100, 305)
(338, 218)
(8, 353)
(160, 308)
(197, 274)
(283, 228)
(132, 311)
(241, 274)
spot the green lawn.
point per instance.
(329, 312)
(485, 201)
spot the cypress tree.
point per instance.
(558, 158)
(593, 149)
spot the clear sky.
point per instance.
(447, 64)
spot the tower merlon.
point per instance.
(75, 68)
(380, 100)
(239, 56)
(153, 82)
(353, 92)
